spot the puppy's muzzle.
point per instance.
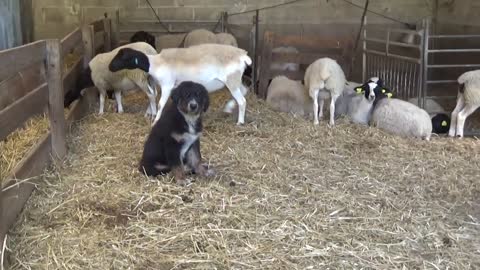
(192, 106)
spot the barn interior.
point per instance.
(287, 194)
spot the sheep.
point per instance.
(212, 65)
(341, 104)
(324, 78)
(226, 39)
(402, 118)
(440, 120)
(468, 101)
(99, 75)
(359, 104)
(142, 36)
(289, 96)
(199, 36)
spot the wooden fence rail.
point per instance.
(47, 82)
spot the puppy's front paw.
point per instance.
(210, 173)
(183, 182)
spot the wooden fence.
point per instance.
(35, 81)
(310, 49)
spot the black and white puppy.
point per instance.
(174, 140)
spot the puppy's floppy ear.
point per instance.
(176, 96)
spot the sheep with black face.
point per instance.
(142, 36)
(174, 141)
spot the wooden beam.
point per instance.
(55, 98)
(15, 192)
(71, 41)
(265, 63)
(21, 110)
(26, 15)
(107, 27)
(21, 84)
(18, 58)
(87, 36)
(307, 58)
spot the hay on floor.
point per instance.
(18, 143)
(287, 195)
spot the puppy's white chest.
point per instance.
(188, 139)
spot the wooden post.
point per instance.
(266, 59)
(87, 36)
(225, 21)
(364, 50)
(2, 234)
(55, 99)
(115, 35)
(107, 34)
(255, 51)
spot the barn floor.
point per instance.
(287, 195)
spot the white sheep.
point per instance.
(226, 39)
(289, 96)
(358, 102)
(341, 104)
(324, 79)
(199, 36)
(212, 65)
(402, 118)
(99, 75)
(468, 101)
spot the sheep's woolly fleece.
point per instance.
(288, 195)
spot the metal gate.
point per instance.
(398, 63)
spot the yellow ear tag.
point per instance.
(359, 90)
(383, 91)
(444, 123)
(389, 95)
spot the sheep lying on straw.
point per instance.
(289, 96)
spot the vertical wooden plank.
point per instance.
(266, 59)
(55, 98)
(26, 15)
(107, 34)
(87, 36)
(364, 48)
(115, 34)
(255, 52)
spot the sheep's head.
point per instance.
(440, 123)
(374, 89)
(129, 59)
(142, 36)
(191, 98)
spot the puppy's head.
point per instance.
(191, 98)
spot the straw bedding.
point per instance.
(287, 195)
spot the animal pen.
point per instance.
(419, 68)
(33, 81)
(287, 195)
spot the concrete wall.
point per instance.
(54, 18)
